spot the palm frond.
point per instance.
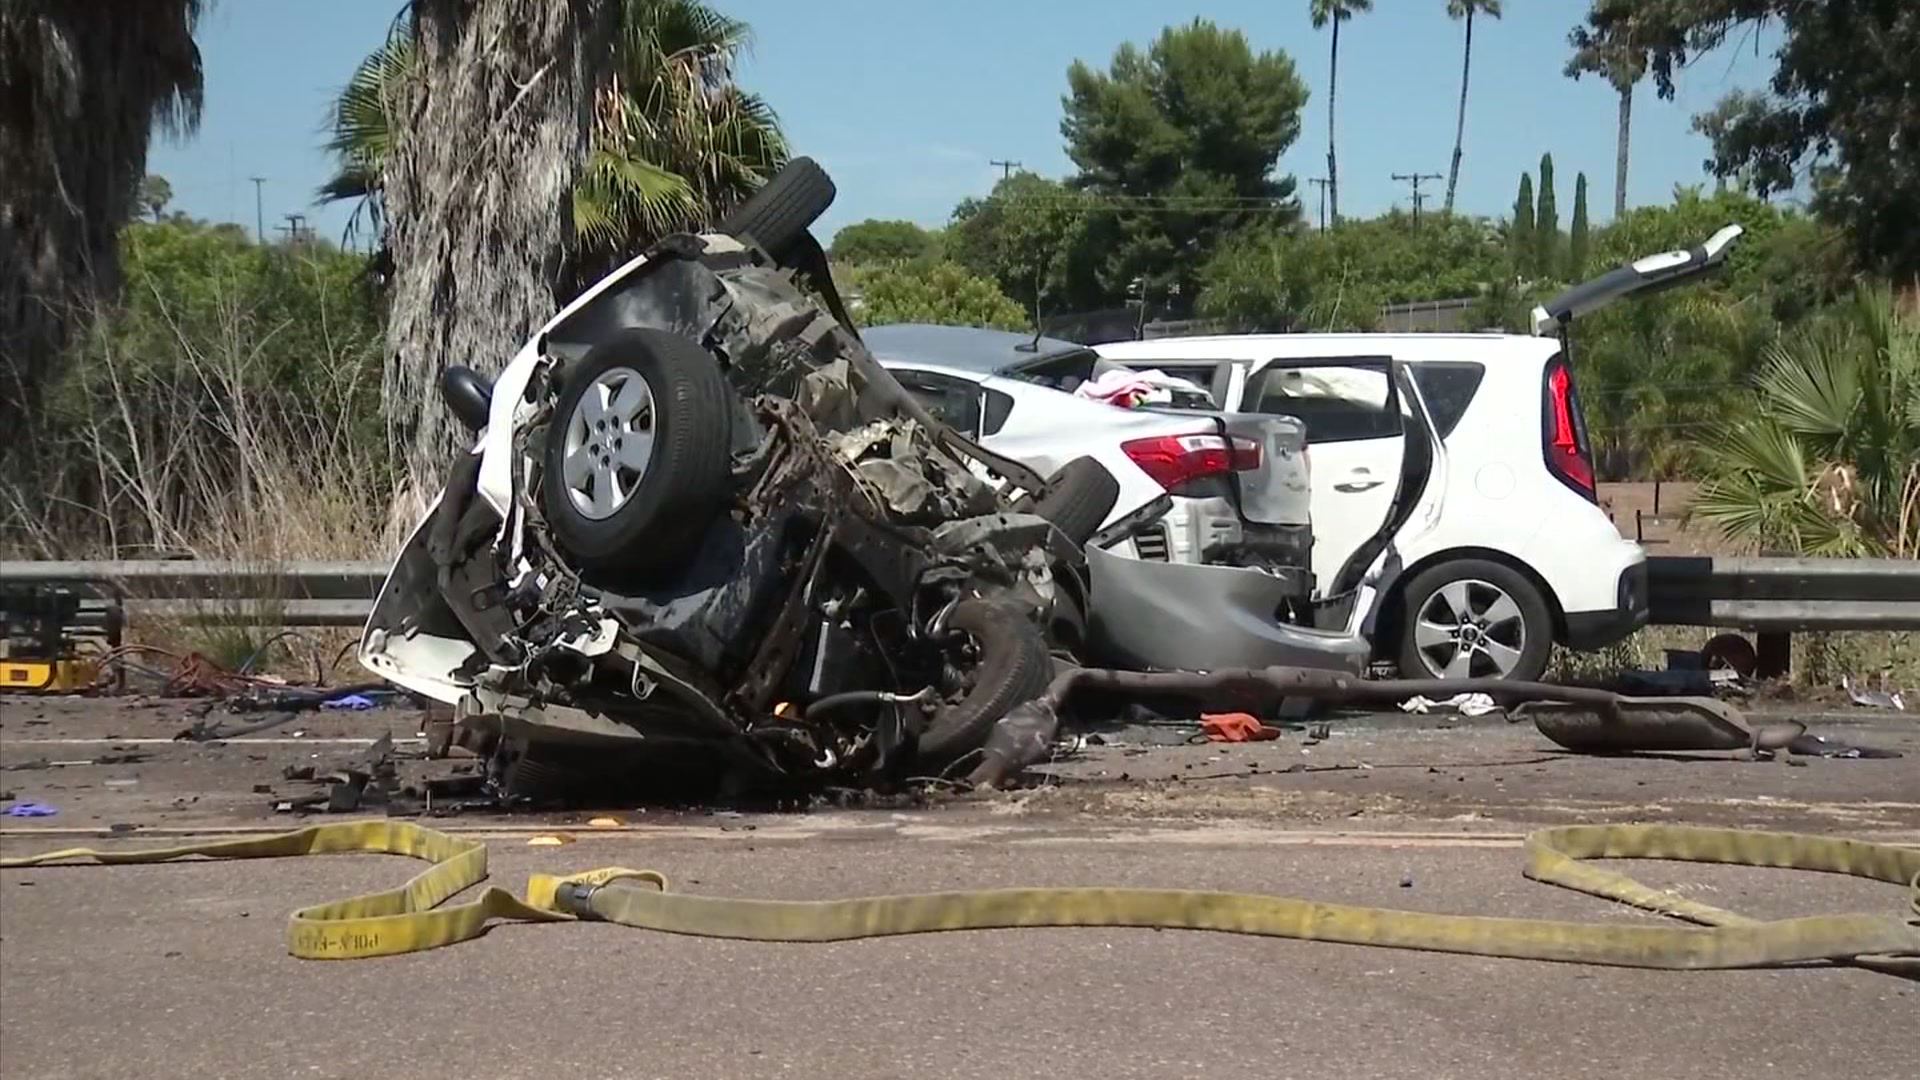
(365, 117)
(1812, 382)
(618, 195)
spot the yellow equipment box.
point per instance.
(46, 676)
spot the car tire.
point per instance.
(1078, 498)
(779, 214)
(1506, 629)
(626, 514)
(1014, 668)
(1067, 625)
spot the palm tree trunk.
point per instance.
(85, 85)
(478, 193)
(1620, 153)
(1333, 90)
(1460, 123)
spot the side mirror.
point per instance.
(468, 394)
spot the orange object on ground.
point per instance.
(1235, 727)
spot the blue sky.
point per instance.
(906, 101)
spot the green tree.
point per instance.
(1827, 461)
(155, 194)
(1179, 145)
(1842, 93)
(84, 86)
(1613, 50)
(943, 293)
(228, 403)
(1334, 12)
(1338, 279)
(1464, 9)
(1658, 371)
(1546, 225)
(1520, 241)
(874, 240)
(1579, 239)
(1038, 239)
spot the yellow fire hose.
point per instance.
(416, 916)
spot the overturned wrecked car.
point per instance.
(702, 524)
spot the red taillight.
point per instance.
(1175, 460)
(1565, 433)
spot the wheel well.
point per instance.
(1387, 630)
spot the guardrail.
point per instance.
(1777, 597)
(236, 593)
(1784, 594)
(1772, 596)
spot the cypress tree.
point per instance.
(1578, 242)
(1546, 224)
(1520, 233)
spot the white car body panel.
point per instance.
(1494, 492)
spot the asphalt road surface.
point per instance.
(181, 970)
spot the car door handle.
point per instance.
(1353, 487)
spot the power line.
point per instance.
(1006, 167)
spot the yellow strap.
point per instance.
(416, 916)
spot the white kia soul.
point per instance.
(1504, 550)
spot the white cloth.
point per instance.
(1464, 704)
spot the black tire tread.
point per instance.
(686, 484)
(1079, 497)
(1015, 667)
(780, 213)
(1534, 610)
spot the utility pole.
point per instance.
(295, 228)
(1321, 182)
(1006, 167)
(259, 218)
(1416, 179)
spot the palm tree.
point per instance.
(1464, 9)
(82, 86)
(476, 190)
(675, 141)
(1828, 461)
(1618, 57)
(1335, 12)
(584, 129)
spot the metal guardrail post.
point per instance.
(1773, 654)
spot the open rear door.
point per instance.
(1641, 277)
(1356, 439)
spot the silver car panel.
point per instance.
(1169, 615)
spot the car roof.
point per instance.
(1510, 347)
(961, 348)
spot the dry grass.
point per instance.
(1871, 659)
(200, 443)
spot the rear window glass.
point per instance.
(1061, 371)
(1449, 388)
